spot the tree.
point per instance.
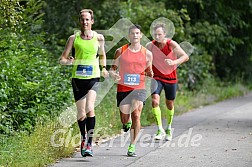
(223, 28)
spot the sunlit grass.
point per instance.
(24, 150)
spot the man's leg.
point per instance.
(158, 116)
(137, 107)
(136, 114)
(170, 94)
(81, 117)
(125, 113)
(170, 114)
(125, 117)
(156, 88)
(123, 102)
(90, 123)
(156, 110)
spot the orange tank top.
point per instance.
(132, 67)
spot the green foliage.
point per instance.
(138, 11)
(31, 87)
(10, 14)
(223, 28)
(199, 67)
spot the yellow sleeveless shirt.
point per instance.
(86, 64)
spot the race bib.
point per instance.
(131, 79)
(84, 70)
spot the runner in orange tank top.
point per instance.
(134, 62)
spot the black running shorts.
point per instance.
(82, 86)
(170, 89)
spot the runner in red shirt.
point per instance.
(167, 55)
(134, 62)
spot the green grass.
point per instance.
(211, 93)
(32, 150)
(41, 149)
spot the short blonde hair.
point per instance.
(88, 11)
(160, 25)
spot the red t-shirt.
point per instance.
(132, 67)
(162, 71)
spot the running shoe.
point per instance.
(127, 126)
(160, 134)
(131, 151)
(88, 152)
(168, 135)
(82, 150)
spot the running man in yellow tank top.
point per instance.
(86, 72)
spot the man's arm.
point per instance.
(180, 54)
(102, 55)
(115, 63)
(101, 51)
(64, 59)
(148, 70)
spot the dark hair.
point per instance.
(88, 11)
(135, 26)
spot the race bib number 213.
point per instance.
(131, 79)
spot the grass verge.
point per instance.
(25, 150)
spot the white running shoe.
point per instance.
(160, 134)
(168, 136)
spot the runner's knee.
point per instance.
(169, 104)
(89, 109)
(155, 102)
(135, 115)
(125, 118)
(81, 117)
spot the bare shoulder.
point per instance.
(149, 54)
(100, 37)
(149, 45)
(117, 53)
(174, 44)
(71, 37)
(118, 50)
(70, 41)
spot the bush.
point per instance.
(31, 84)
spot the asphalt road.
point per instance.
(216, 135)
